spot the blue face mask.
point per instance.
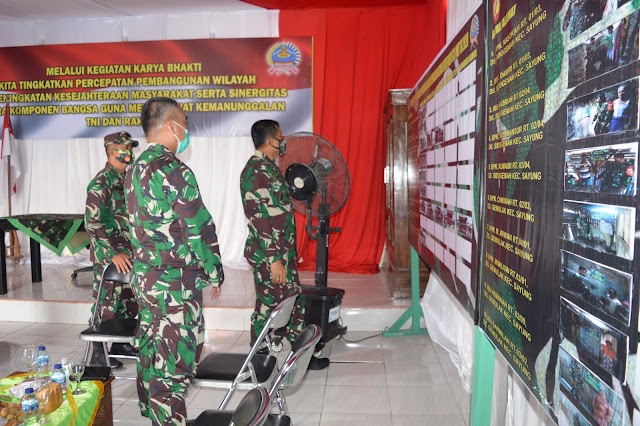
(184, 143)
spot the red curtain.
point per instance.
(359, 55)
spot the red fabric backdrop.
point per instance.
(360, 54)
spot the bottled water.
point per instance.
(42, 361)
(30, 407)
(65, 367)
(58, 376)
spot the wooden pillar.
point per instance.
(397, 262)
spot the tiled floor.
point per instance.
(376, 381)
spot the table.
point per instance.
(54, 231)
(93, 407)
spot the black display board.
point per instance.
(558, 294)
(446, 120)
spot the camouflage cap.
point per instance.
(120, 138)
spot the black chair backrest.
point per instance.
(110, 273)
(253, 409)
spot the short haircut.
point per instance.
(262, 130)
(156, 111)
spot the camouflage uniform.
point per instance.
(602, 119)
(272, 238)
(176, 255)
(615, 179)
(106, 223)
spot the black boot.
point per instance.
(318, 363)
(123, 349)
(98, 359)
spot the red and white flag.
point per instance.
(8, 155)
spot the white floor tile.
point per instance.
(305, 399)
(427, 420)
(47, 330)
(305, 419)
(330, 419)
(410, 353)
(422, 400)
(122, 390)
(414, 374)
(357, 374)
(129, 415)
(12, 327)
(356, 399)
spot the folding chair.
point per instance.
(75, 273)
(252, 411)
(245, 371)
(292, 371)
(117, 330)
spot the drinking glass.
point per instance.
(29, 353)
(76, 369)
(43, 397)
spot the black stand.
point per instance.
(36, 261)
(3, 265)
(323, 303)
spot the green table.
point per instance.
(76, 410)
(55, 231)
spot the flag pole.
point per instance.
(9, 182)
(14, 242)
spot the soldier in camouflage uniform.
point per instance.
(176, 255)
(604, 112)
(107, 225)
(271, 244)
(617, 175)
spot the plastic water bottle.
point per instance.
(42, 361)
(30, 407)
(65, 367)
(58, 376)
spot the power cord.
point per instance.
(341, 336)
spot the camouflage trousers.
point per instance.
(269, 295)
(169, 337)
(116, 300)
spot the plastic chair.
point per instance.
(245, 371)
(252, 411)
(117, 330)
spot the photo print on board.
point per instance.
(596, 401)
(597, 286)
(610, 169)
(569, 414)
(595, 343)
(607, 111)
(583, 14)
(605, 51)
(465, 226)
(601, 227)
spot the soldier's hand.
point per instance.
(215, 292)
(278, 273)
(122, 262)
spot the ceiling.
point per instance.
(29, 10)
